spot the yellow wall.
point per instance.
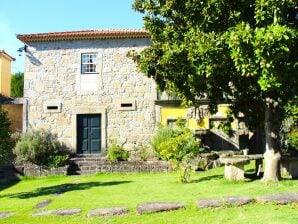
(5, 74)
(15, 115)
(179, 112)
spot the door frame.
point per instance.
(90, 110)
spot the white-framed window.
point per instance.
(89, 63)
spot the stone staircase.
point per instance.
(90, 164)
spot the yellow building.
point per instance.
(13, 108)
(204, 124)
(5, 73)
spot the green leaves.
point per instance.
(5, 141)
(199, 47)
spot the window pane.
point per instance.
(89, 63)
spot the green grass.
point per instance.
(106, 190)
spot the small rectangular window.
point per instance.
(52, 107)
(126, 104)
(89, 63)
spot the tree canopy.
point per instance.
(17, 84)
(246, 50)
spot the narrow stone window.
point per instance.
(89, 63)
(126, 104)
(52, 107)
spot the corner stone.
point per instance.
(108, 211)
(159, 207)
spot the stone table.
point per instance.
(234, 165)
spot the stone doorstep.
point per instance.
(4, 215)
(159, 207)
(108, 211)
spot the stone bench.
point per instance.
(234, 165)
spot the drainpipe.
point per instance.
(25, 115)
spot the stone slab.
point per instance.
(66, 212)
(108, 211)
(209, 203)
(43, 213)
(284, 198)
(5, 214)
(42, 204)
(237, 200)
(159, 207)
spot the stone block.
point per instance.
(159, 207)
(234, 171)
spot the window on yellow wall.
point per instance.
(172, 121)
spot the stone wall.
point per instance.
(53, 77)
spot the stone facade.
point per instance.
(53, 78)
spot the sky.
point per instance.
(39, 16)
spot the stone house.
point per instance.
(82, 86)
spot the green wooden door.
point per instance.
(88, 133)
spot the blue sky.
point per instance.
(38, 16)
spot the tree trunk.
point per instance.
(272, 154)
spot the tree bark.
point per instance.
(272, 154)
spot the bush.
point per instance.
(144, 152)
(178, 145)
(41, 148)
(293, 138)
(5, 140)
(117, 153)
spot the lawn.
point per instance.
(106, 190)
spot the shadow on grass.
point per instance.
(8, 177)
(253, 176)
(207, 178)
(8, 183)
(62, 188)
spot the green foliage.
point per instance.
(293, 138)
(5, 140)
(117, 153)
(245, 49)
(42, 148)
(57, 159)
(17, 85)
(144, 152)
(226, 127)
(178, 145)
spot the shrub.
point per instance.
(117, 153)
(178, 145)
(5, 140)
(41, 148)
(144, 152)
(293, 138)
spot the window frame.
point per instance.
(95, 63)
